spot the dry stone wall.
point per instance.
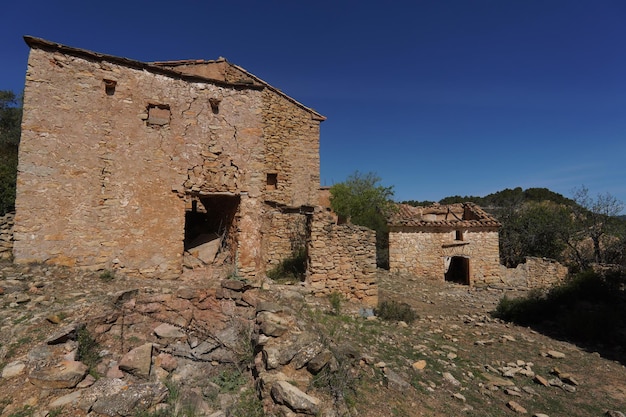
(535, 273)
(342, 259)
(287, 234)
(6, 235)
(424, 253)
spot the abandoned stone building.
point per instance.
(457, 242)
(134, 166)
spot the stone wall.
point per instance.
(292, 152)
(534, 273)
(6, 235)
(342, 258)
(288, 233)
(424, 253)
(112, 150)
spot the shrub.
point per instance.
(335, 299)
(394, 311)
(87, 350)
(587, 308)
(292, 268)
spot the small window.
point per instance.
(458, 235)
(272, 181)
(158, 114)
(215, 105)
(109, 87)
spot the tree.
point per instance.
(597, 221)
(533, 229)
(364, 202)
(10, 120)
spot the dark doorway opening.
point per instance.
(458, 271)
(209, 222)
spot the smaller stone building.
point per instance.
(457, 242)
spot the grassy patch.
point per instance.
(88, 350)
(229, 380)
(248, 404)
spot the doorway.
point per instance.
(209, 225)
(458, 270)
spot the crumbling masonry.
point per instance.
(133, 166)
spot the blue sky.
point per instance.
(439, 97)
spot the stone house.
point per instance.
(129, 165)
(457, 242)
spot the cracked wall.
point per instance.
(102, 182)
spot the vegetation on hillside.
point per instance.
(589, 308)
(10, 121)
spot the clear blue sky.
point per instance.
(438, 97)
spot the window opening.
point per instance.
(109, 87)
(272, 181)
(215, 105)
(158, 114)
(458, 235)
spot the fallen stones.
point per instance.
(67, 374)
(138, 361)
(12, 369)
(516, 407)
(284, 393)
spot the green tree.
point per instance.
(10, 121)
(363, 201)
(533, 229)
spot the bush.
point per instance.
(587, 307)
(394, 311)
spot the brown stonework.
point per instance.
(456, 242)
(342, 259)
(122, 162)
(6, 235)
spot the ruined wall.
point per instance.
(535, 273)
(108, 152)
(342, 258)
(286, 233)
(6, 235)
(423, 253)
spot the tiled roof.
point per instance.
(460, 215)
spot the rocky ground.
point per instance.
(94, 344)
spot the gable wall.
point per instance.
(98, 188)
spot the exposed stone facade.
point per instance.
(6, 235)
(123, 163)
(456, 242)
(342, 259)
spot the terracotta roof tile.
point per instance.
(465, 215)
